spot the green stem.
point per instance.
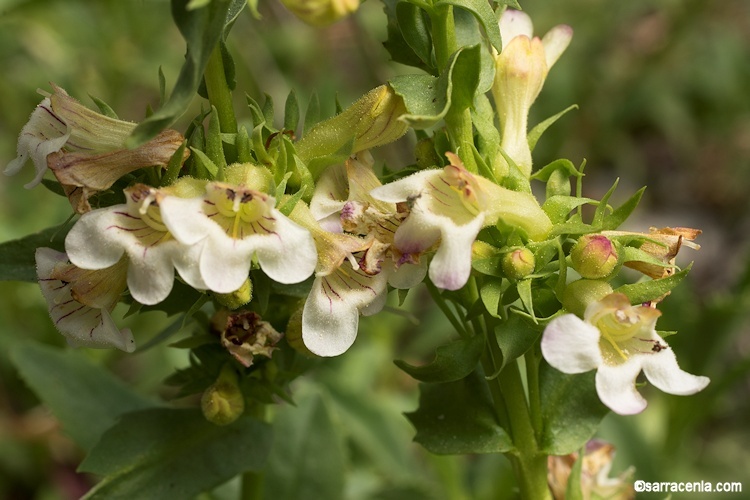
(252, 481)
(220, 96)
(461, 134)
(443, 35)
(533, 358)
(529, 463)
(440, 301)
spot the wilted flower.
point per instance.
(245, 335)
(662, 245)
(618, 340)
(84, 149)
(449, 207)
(100, 238)
(223, 402)
(520, 71)
(234, 223)
(595, 480)
(80, 301)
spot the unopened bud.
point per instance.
(321, 12)
(373, 120)
(294, 334)
(238, 298)
(594, 256)
(519, 263)
(579, 294)
(223, 403)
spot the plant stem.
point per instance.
(220, 96)
(529, 463)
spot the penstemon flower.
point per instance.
(618, 340)
(520, 71)
(233, 223)
(449, 207)
(357, 260)
(80, 301)
(84, 149)
(100, 238)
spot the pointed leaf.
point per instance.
(645, 291)
(515, 337)
(452, 361)
(621, 213)
(483, 14)
(536, 132)
(85, 398)
(201, 28)
(414, 29)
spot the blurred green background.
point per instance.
(663, 89)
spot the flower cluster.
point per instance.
(328, 217)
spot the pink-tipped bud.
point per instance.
(519, 263)
(594, 256)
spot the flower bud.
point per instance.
(519, 263)
(223, 402)
(238, 298)
(371, 121)
(294, 334)
(594, 256)
(321, 13)
(579, 294)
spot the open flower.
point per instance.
(84, 149)
(100, 238)
(618, 340)
(80, 301)
(232, 224)
(448, 207)
(520, 71)
(353, 233)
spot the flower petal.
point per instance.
(571, 345)
(288, 256)
(150, 279)
(515, 23)
(416, 234)
(331, 192)
(663, 372)
(407, 276)
(615, 385)
(44, 134)
(451, 266)
(185, 219)
(224, 265)
(92, 242)
(555, 42)
(403, 189)
(331, 314)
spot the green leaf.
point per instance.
(17, 261)
(558, 207)
(307, 460)
(563, 164)
(312, 113)
(458, 417)
(428, 98)
(466, 73)
(85, 398)
(533, 136)
(173, 453)
(645, 291)
(601, 210)
(412, 23)
(621, 213)
(201, 28)
(204, 162)
(515, 337)
(571, 410)
(104, 108)
(573, 490)
(452, 361)
(396, 44)
(491, 294)
(291, 112)
(483, 14)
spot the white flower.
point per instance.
(356, 258)
(449, 207)
(231, 224)
(80, 301)
(100, 238)
(618, 340)
(520, 71)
